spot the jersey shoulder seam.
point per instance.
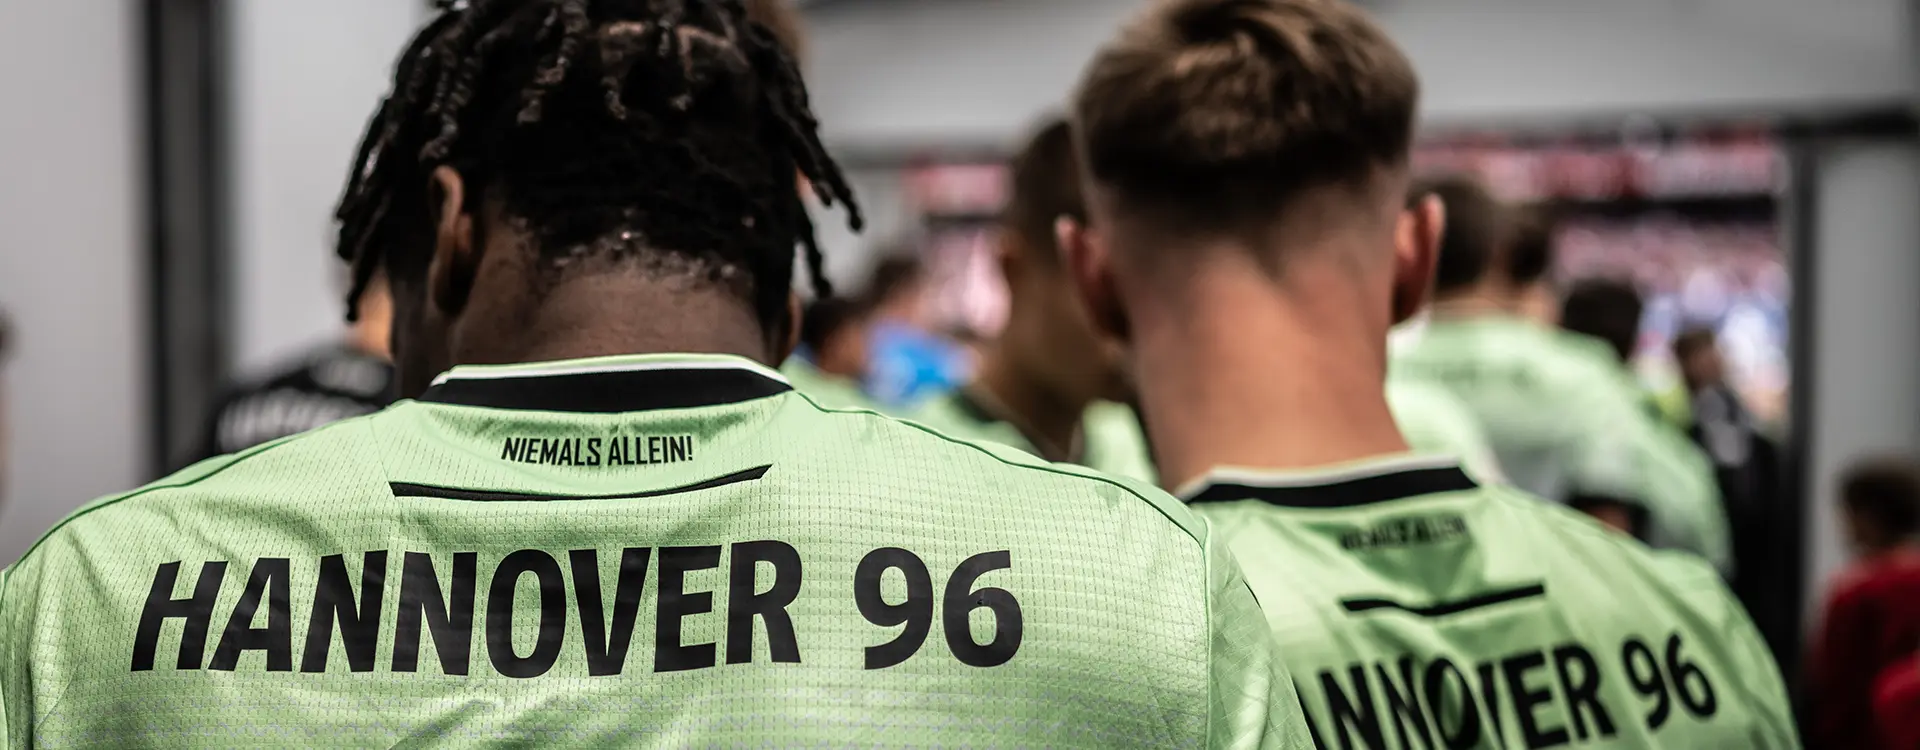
(1199, 537)
(232, 461)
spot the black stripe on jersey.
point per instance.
(1378, 488)
(610, 392)
(1442, 609)
(406, 489)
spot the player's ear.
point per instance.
(456, 259)
(1416, 252)
(786, 335)
(1090, 262)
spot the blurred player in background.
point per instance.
(342, 379)
(1431, 418)
(832, 359)
(1553, 417)
(1248, 162)
(908, 362)
(1747, 464)
(594, 530)
(1872, 616)
(1049, 385)
(1602, 320)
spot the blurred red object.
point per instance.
(1872, 623)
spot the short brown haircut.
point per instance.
(781, 18)
(1477, 232)
(1044, 185)
(1693, 341)
(1211, 111)
(1886, 492)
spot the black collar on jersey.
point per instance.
(639, 388)
(1344, 492)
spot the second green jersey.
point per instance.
(1112, 440)
(664, 551)
(1433, 420)
(1564, 427)
(831, 391)
(1419, 609)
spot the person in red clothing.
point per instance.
(1896, 705)
(1872, 618)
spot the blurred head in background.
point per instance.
(1249, 236)
(1880, 502)
(1606, 309)
(1048, 345)
(556, 179)
(1493, 258)
(897, 288)
(834, 332)
(1697, 350)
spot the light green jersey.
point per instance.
(831, 391)
(1418, 609)
(1690, 515)
(635, 552)
(1563, 426)
(1433, 420)
(1111, 438)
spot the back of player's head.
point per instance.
(1884, 492)
(1607, 309)
(663, 131)
(1209, 114)
(1693, 342)
(897, 273)
(1529, 256)
(1477, 233)
(827, 318)
(1044, 185)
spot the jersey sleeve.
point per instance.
(1254, 703)
(1753, 677)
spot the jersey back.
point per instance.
(646, 551)
(1550, 417)
(1418, 609)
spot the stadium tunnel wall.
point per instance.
(305, 79)
(71, 261)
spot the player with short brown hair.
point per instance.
(1249, 238)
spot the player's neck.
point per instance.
(1049, 418)
(1238, 375)
(1487, 298)
(602, 315)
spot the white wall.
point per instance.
(307, 77)
(1866, 337)
(71, 258)
(977, 71)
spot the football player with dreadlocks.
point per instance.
(605, 519)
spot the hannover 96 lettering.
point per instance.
(438, 598)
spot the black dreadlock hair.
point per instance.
(626, 127)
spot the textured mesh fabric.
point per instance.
(635, 552)
(1416, 608)
(1565, 422)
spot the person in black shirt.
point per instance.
(342, 379)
